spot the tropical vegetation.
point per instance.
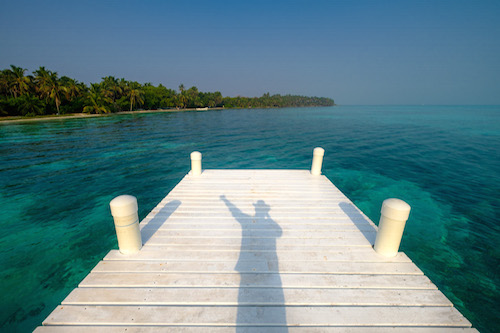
(45, 93)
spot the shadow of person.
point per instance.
(260, 295)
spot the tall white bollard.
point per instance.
(124, 210)
(395, 212)
(317, 162)
(196, 163)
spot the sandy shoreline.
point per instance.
(85, 115)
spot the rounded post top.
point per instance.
(319, 151)
(123, 205)
(395, 209)
(196, 155)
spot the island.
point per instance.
(45, 93)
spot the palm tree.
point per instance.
(97, 99)
(135, 94)
(18, 83)
(49, 86)
(193, 97)
(73, 87)
(112, 88)
(182, 98)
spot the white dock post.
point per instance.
(317, 162)
(124, 210)
(395, 212)
(196, 163)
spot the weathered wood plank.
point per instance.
(359, 256)
(256, 280)
(170, 246)
(269, 233)
(255, 195)
(256, 316)
(328, 220)
(256, 296)
(195, 224)
(156, 239)
(251, 216)
(205, 329)
(254, 184)
(251, 210)
(305, 267)
(245, 249)
(276, 203)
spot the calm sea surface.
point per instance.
(57, 178)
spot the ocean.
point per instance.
(57, 178)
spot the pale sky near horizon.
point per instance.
(357, 52)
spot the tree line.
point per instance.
(44, 93)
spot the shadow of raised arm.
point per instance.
(237, 213)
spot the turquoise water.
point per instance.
(57, 178)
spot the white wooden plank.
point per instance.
(215, 193)
(252, 189)
(169, 246)
(222, 225)
(283, 267)
(255, 297)
(251, 215)
(211, 329)
(264, 176)
(256, 280)
(235, 189)
(253, 183)
(277, 202)
(340, 256)
(272, 234)
(274, 205)
(339, 241)
(160, 218)
(272, 173)
(218, 208)
(256, 316)
(257, 248)
(269, 175)
(254, 197)
(158, 221)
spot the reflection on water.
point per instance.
(249, 251)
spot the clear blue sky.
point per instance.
(357, 52)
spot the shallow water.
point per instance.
(57, 178)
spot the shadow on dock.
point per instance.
(258, 247)
(158, 220)
(360, 221)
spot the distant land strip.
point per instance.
(44, 93)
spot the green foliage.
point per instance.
(46, 93)
(30, 105)
(276, 101)
(134, 93)
(97, 100)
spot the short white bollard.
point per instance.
(318, 153)
(395, 212)
(196, 163)
(124, 210)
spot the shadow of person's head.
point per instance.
(261, 208)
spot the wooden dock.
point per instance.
(256, 251)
